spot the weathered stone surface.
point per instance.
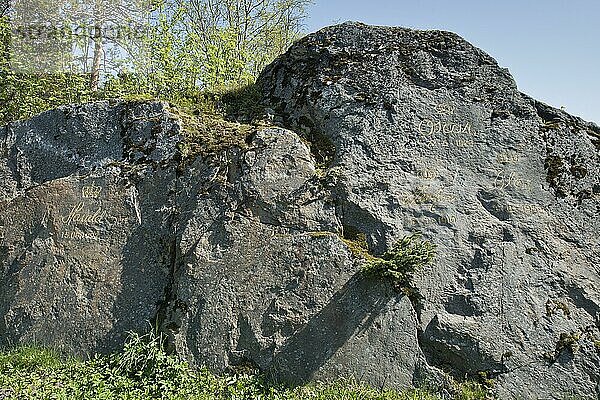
(262, 278)
(84, 241)
(240, 255)
(426, 132)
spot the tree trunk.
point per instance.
(95, 72)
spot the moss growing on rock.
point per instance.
(357, 243)
(204, 135)
(212, 122)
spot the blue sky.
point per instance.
(551, 47)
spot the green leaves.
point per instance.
(188, 47)
(143, 370)
(402, 260)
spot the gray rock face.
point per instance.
(263, 278)
(426, 133)
(242, 256)
(84, 241)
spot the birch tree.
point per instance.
(243, 35)
(108, 20)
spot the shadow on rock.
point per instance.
(350, 311)
(146, 265)
(448, 343)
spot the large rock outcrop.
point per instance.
(241, 254)
(84, 236)
(427, 133)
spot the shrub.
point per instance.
(402, 260)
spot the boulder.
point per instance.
(424, 132)
(247, 254)
(85, 232)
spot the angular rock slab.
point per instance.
(424, 132)
(84, 236)
(262, 278)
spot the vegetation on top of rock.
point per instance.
(179, 53)
(216, 121)
(206, 133)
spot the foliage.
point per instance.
(225, 63)
(24, 94)
(242, 103)
(210, 45)
(164, 64)
(28, 358)
(471, 391)
(235, 39)
(402, 260)
(208, 134)
(143, 370)
(188, 50)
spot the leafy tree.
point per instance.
(165, 61)
(186, 47)
(236, 39)
(109, 19)
(213, 44)
(23, 92)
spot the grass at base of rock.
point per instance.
(142, 370)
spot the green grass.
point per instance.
(142, 370)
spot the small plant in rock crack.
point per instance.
(400, 262)
(144, 358)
